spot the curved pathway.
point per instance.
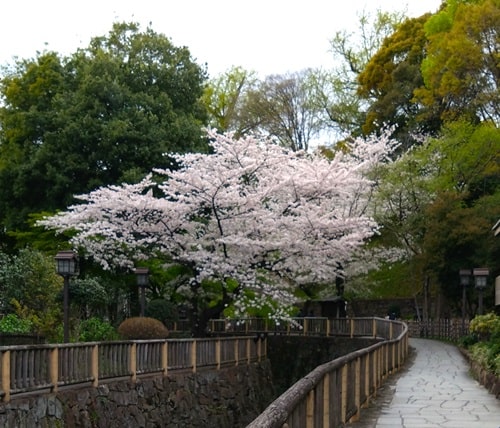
(434, 389)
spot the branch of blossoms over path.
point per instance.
(252, 211)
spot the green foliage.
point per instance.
(223, 97)
(89, 295)
(460, 70)
(487, 351)
(104, 115)
(95, 329)
(389, 80)
(30, 288)
(487, 354)
(137, 328)
(11, 323)
(162, 310)
(486, 326)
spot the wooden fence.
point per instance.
(314, 326)
(333, 393)
(443, 329)
(34, 368)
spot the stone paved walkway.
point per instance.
(434, 389)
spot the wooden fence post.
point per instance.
(344, 394)
(367, 379)
(5, 355)
(217, 353)
(164, 357)
(357, 389)
(326, 401)
(248, 345)
(133, 362)
(310, 409)
(94, 365)
(193, 355)
(54, 368)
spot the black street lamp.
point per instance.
(142, 275)
(480, 282)
(66, 266)
(465, 275)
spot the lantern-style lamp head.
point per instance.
(142, 275)
(465, 275)
(480, 277)
(66, 263)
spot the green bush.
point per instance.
(487, 351)
(485, 325)
(96, 330)
(11, 323)
(162, 310)
(137, 328)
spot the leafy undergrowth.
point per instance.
(483, 343)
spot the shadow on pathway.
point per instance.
(434, 389)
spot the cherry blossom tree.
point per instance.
(259, 219)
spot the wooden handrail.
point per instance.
(32, 368)
(346, 383)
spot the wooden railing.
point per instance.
(345, 383)
(334, 393)
(33, 368)
(442, 329)
(313, 326)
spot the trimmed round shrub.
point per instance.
(142, 328)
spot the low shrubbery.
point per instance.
(96, 330)
(11, 323)
(144, 328)
(484, 342)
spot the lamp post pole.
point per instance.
(464, 282)
(142, 275)
(66, 266)
(480, 278)
(66, 308)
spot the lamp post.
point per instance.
(66, 266)
(465, 275)
(480, 282)
(142, 275)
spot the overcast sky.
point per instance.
(268, 36)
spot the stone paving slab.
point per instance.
(434, 389)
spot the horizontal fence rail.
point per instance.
(334, 393)
(35, 368)
(32, 368)
(317, 326)
(443, 329)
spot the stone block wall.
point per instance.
(229, 398)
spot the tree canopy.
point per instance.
(269, 219)
(106, 114)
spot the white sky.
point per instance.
(268, 36)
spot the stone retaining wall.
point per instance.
(229, 398)
(486, 378)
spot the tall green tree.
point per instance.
(282, 107)
(389, 80)
(107, 114)
(336, 90)
(461, 70)
(224, 97)
(440, 201)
